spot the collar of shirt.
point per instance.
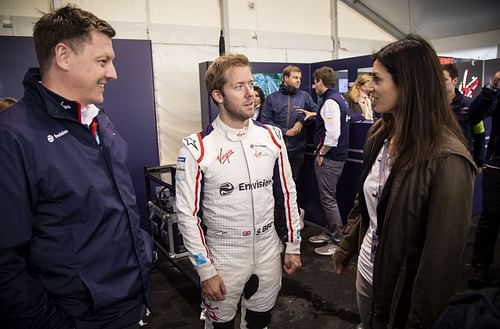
(88, 113)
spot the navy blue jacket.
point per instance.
(338, 153)
(280, 111)
(69, 222)
(486, 104)
(460, 106)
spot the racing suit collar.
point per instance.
(232, 134)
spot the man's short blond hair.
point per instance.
(289, 69)
(215, 78)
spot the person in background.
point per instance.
(474, 134)
(72, 254)
(412, 214)
(288, 109)
(229, 177)
(359, 100)
(487, 104)
(258, 102)
(6, 102)
(280, 110)
(332, 142)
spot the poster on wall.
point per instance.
(470, 74)
(268, 82)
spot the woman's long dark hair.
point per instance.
(423, 115)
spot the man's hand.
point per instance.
(340, 262)
(320, 159)
(213, 288)
(295, 130)
(292, 263)
(337, 266)
(308, 114)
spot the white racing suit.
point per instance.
(229, 179)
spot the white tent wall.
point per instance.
(185, 33)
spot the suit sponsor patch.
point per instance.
(200, 259)
(191, 142)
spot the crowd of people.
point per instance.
(73, 255)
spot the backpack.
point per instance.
(478, 309)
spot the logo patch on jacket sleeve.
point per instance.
(277, 132)
(180, 168)
(191, 142)
(200, 259)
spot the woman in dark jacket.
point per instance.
(413, 210)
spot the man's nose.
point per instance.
(111, 73)
(249, 91)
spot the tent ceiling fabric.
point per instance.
(432, 19)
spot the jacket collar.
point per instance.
(55, 105)
(459, 99)
(328, 94)
(232, 133)
(287, 91)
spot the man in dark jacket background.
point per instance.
(460, 104)
(72, 254)
(331, 139)
(280, 110)
(288, 109)
(487, 104)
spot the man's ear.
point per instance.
(62, 56)
(217, 96)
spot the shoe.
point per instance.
(326, 250)
(320, 238)
(302, 213)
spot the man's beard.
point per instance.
(232, 112)
(291, 89)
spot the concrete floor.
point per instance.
(313, 298)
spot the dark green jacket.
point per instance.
(424, 218)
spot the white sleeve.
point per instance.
(188, 192)
(330, 112)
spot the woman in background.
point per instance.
(258, 102)
(359, 101)
(412, 213)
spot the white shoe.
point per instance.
(326, 250)
(320, 238)
(302, 213)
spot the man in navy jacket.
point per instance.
(285, 109)
(72, 254)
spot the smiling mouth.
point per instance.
(101, 85)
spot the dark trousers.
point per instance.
(296, 159)
(123, 315)
(487, 227)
